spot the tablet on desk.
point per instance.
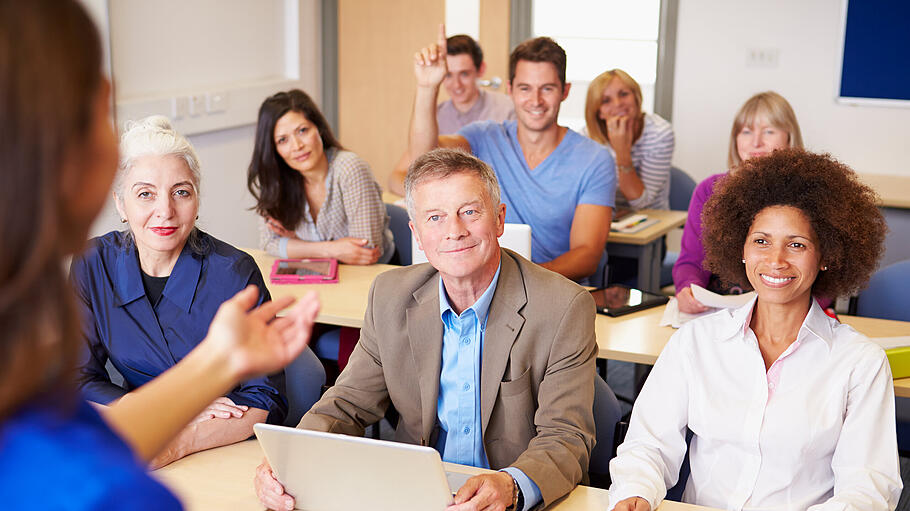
(617, 300)
(305, 271)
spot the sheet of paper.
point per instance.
(675, 318)
(712, 299)
(888, 343)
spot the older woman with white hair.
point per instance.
(149, 293)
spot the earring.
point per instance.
(197, 217)
(123, 220)
(824, 268)
(744, 261)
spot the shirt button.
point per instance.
(465, 341)
(467, 430)
(466, 386)
(771, 385)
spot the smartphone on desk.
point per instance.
(305, 271)
(617, 300)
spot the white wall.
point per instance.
(712, 81)
(205, 45)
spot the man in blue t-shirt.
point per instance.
(553, 179)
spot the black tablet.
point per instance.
(617, 300)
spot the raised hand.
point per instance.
(430, 62)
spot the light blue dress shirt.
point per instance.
(458, 406)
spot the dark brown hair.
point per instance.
(278, 188)
(539, 49)
(842, 211)
(50, 77)
(465, 45)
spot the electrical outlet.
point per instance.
(197, 105)
(179, 108)
(767, 58)
(216, 102)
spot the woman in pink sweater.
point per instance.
(764, 123)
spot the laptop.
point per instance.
(332, 472)
(515, 237)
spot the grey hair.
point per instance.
(441, 163)
(153, 136)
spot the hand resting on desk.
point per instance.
(633, 504)
(484, 491)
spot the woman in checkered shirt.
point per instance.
(315, 198)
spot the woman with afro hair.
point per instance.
(788, 408)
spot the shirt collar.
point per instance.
(481, 307)
(181, 285)
(817, 324)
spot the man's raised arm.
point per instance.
(430, 70)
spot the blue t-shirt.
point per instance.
(50, 459)
(578, 171)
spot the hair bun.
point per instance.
(152, 122)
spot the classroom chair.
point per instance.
(398, 224)
(607, 414)
(303, 379)
(681, 188)
(884, 299)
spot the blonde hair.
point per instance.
(597, 127)
(775, 110)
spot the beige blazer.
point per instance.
(537, 370)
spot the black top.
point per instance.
(154, 286)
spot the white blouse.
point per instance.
(815, 431)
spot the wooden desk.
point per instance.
(645, 246)
(634, 337)
(222, 478)
(637, 337)
(343, 303)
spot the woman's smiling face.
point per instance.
(782, 255)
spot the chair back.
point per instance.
(303, 380)
(884, 298)
(607, 413)
(681, 188)
(398, 224)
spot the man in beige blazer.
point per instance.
(536, 364)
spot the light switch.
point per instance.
(216, 102)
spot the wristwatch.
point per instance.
(518, 501)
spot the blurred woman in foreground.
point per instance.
(58, 156)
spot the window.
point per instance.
(599, 35)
